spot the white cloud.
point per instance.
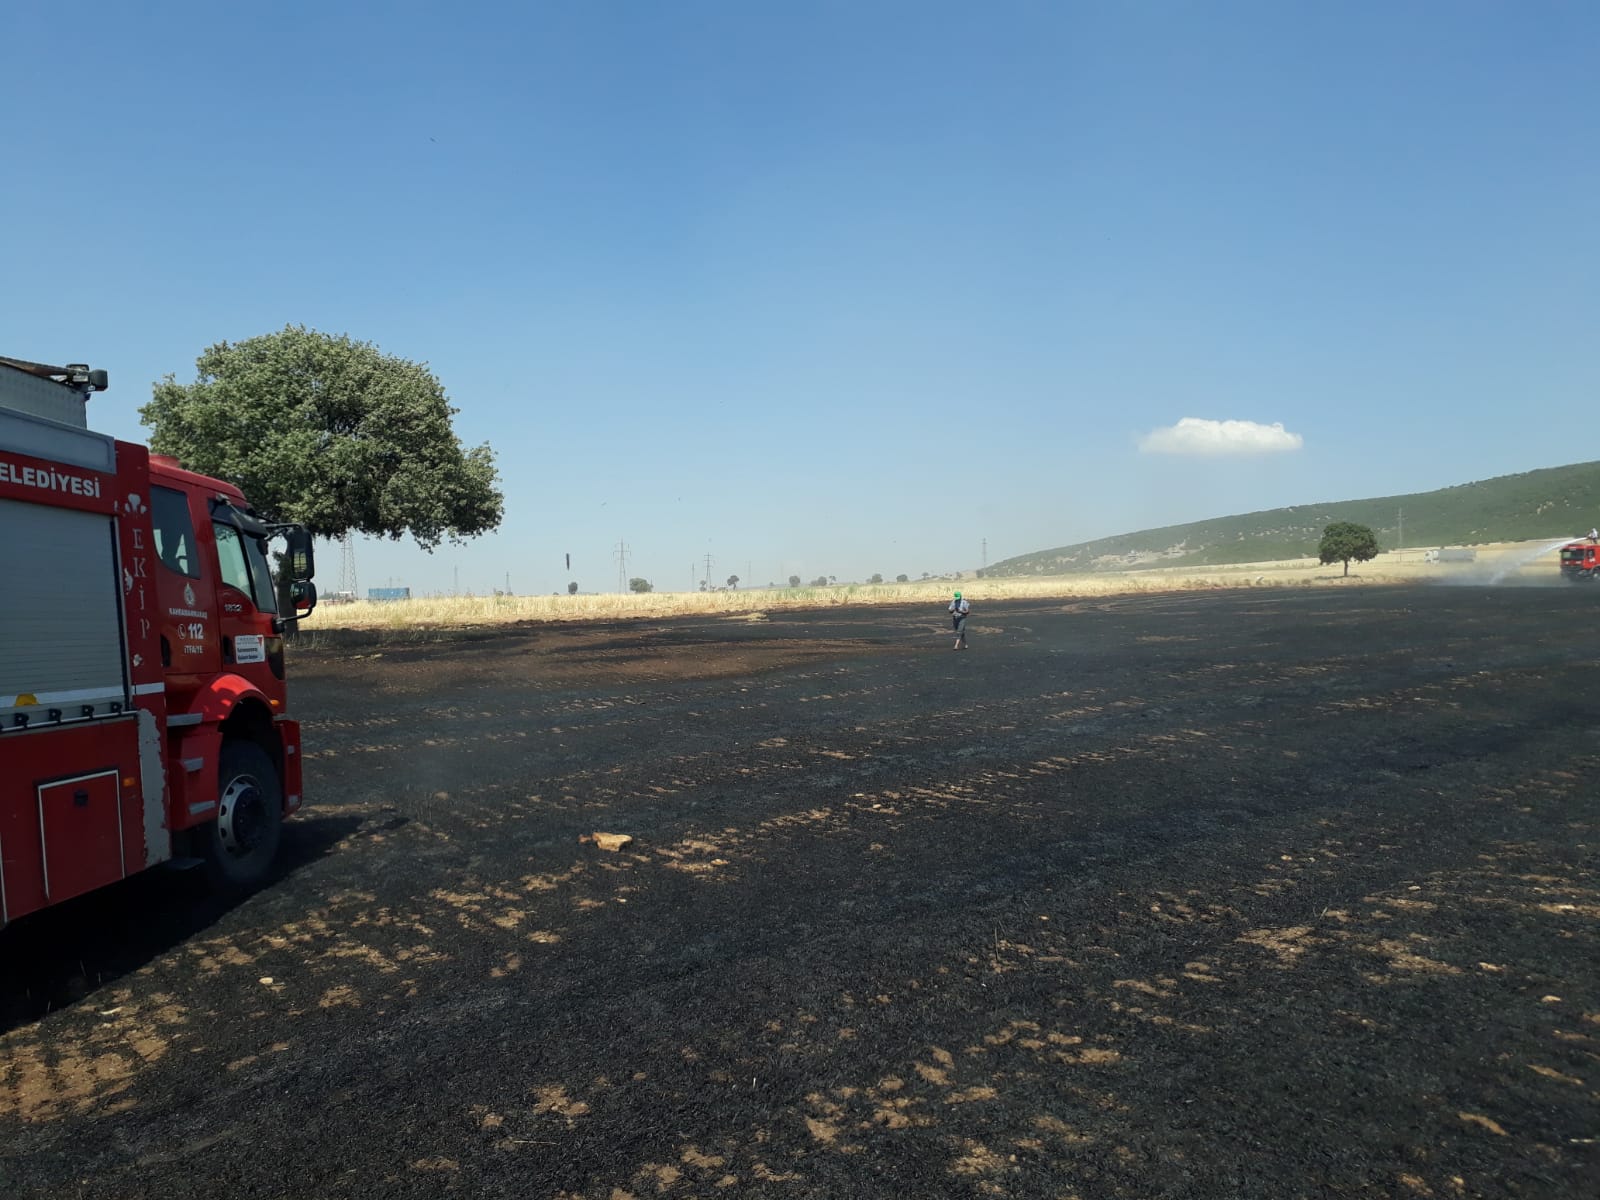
(1197, 435)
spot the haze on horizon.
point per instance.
(830, 291)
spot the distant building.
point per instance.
(389, 593)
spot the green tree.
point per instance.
(901, 579)
(876, 578)
(794, 581)
(572, 588)
(330, 433)
(640, 585)
(733, 581)
(820, 581)
(1345, 540)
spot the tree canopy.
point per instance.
(640, 585)
(1345, 540)
(331, 433)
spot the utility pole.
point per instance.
(985, 554)
(456, 586)
(621, 555)
(708, 570)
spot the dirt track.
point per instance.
(1257, 894)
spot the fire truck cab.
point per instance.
(1580, 561)
(143, 709)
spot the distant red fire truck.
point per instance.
(1580, 560)
(143, 711)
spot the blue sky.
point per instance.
(839, 288)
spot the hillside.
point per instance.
(1553, 502)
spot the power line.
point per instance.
(708, 570)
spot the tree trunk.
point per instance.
(1347, 568)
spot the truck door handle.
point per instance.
(81, 798)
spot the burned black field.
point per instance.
(1246, 894)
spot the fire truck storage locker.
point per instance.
(61, 628)
(69, 822)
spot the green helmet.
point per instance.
(958, 595)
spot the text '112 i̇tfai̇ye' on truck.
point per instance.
(142, 703)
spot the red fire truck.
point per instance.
(142, 701)
(1580, 561)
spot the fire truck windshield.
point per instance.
(266, 595)
(244, 566)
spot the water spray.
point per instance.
(1527, 557)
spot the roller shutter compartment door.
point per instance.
(60, 624)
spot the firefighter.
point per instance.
(958, 617)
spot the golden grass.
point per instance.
(458, 611)
(490, 610)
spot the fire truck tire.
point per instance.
(241, 844)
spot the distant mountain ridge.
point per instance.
(1552, 502)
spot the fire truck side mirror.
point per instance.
(304, 594)
(301, 558)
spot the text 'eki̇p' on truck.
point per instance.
(143, 711)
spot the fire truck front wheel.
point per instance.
(242, 842)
